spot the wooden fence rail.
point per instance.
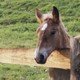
(26, 57)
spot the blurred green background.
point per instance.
(18, 23)
(17, 30)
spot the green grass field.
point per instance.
(17, 72)
(18, 23)
(17, 30)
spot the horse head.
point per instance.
(51, 35)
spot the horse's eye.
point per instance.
(53, 32)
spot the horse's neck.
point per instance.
(67, 48)
(65, 53)
(77, 38)
(75, 46)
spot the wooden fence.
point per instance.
(26, 57)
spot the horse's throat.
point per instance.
(65, 52)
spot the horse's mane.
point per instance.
(64, 29)
(77, 37)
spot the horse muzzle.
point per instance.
(40, 59)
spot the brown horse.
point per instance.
(53, 36)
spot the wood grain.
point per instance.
(26, 57)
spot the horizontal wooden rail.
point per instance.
(26, 57)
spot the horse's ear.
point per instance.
(55, 14)
(38, 16)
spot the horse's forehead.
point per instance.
(44, 26)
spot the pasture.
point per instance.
(18, 30)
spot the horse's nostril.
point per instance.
(41, 57)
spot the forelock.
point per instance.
(48, 15)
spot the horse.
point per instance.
(52, 35)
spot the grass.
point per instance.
(18, 35)
(17, 72)
(18, 23)
(17, 30)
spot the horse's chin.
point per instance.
(41, 62)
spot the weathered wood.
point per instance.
(26, 57)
